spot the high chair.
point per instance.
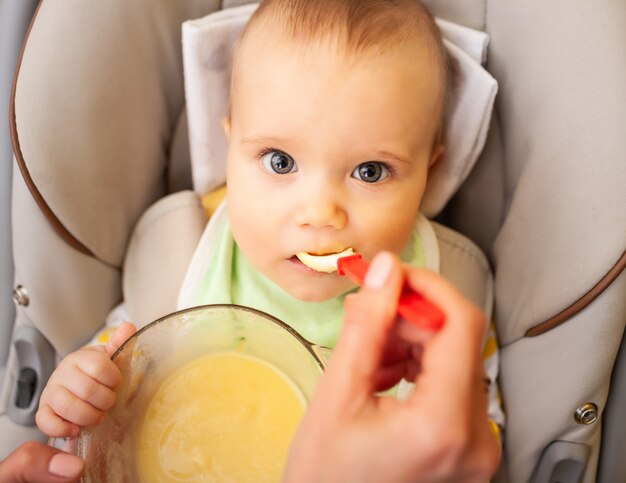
(99, 134)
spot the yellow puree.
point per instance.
(222, 418)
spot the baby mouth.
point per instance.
(323, 263)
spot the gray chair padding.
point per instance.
(15, 16)
(558, 170)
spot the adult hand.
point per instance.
(440, 432)
(36, 463)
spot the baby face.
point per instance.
(326, 151)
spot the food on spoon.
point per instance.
(411, 306)
(323, 263)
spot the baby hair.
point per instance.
(355, 27)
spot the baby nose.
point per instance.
(322, 212)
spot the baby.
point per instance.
(335, 119)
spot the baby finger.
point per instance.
(89, 390)
(97, 364)
(53, 425)
(71, 408)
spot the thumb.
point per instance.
(35, 463)
(121, 335)
(369, 317)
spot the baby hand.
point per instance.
(81, 388)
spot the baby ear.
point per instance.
(226, 126)
(436, 154)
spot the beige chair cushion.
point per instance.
(159, 252)
(99, 128)
(547, 201)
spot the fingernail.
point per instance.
(65, 465)
(379, 271)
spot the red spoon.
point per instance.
(412, 306)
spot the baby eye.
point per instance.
(278, 162)
(371, 172)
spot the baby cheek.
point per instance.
(392, 235)
(242, 223)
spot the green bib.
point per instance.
(231, 279)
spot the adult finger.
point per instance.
(461, 336)
(446, 296)
(35, 463)
(369, 316)
(121, 334)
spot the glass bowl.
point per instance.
(160, 349)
